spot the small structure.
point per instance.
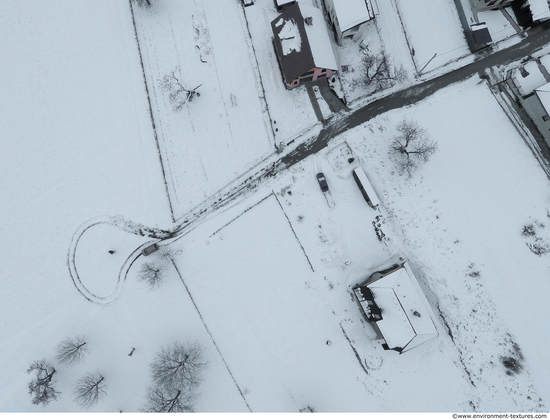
(393, 300)
(481, 35)
(247, 3)
(543, 95)
(349, 17)
(302, 44)
(283, 4)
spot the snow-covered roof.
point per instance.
(289, 36)
(351, 13)
(318, 37)
(481, 33)
(406, 314)
(528, 78)
(302, 47)
(543, 93)
(539, 9)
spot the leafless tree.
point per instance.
(178, 366)
(143, 3)
(178, 94)
(41, 388)
(153, 273)
(71, 350)
(379, 73)
(168, 254)
(89, 389)
(412, 147)
(161, 400)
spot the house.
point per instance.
(527, 11)
(349, 17)
(302, 44)
(490, 4)
(394, 303)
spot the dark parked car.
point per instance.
(322, 182)
(150, 249)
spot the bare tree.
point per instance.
(89, 389)
(152, 273)
(178, 94)
(178, 366)
(41, 388)
(168, 254)
(71, 350)
(143, 3)
(379, 73)
(160, 400)
(412, 147)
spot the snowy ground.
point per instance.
(219, 135)
(434, 32)
(264, 284)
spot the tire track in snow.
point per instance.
(120, 224)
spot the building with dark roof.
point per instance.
(303, 46)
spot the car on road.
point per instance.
(150, 249)
(322, 182)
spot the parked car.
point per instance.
(322, 182)
(150, 249)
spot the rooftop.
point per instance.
(353, 12)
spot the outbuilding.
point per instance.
(349, 17)
(393, 300)
(302, 44)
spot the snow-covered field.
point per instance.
(434, 32)
(218, 136)
(264, 283)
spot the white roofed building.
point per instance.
(394, 301)
(302, 44)
(349, 17)
(540, 10)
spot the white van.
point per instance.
(366, 188)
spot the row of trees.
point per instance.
(87, 391)
(176, 373)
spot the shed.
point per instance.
(282, 4)
(407, 319)
(303, 45)
(350, 16)
(481, 34)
